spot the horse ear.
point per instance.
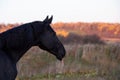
(50, 19)
(46, 19)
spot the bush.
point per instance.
(92, 39)
(75, 38)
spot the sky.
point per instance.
(22, 11)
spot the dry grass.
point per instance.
(82, 62)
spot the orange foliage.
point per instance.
(62, 33)
(110, 30)
(4, 27)
(105, 30)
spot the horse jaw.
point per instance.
(60, 54)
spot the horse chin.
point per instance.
(58, 55)
(59, 58)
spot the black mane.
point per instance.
(13, 45)
(12, 41)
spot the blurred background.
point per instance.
(89, 30)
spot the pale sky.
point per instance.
(12, 11)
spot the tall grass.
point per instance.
(82, 62)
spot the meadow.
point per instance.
(93, 53)
(82, 62)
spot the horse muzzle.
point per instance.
(61, 54)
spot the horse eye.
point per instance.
(54, 33)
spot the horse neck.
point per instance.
(30, 38)
(16, 55)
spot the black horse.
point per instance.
(15, 42)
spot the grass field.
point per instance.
(82, 62)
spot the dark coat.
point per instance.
(15, 42)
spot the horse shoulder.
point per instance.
(8, 69)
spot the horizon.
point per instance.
(24, 11)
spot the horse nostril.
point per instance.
(61, 54)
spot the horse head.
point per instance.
(48, 40)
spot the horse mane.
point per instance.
(18, 40)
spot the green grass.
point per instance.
(61, 76)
